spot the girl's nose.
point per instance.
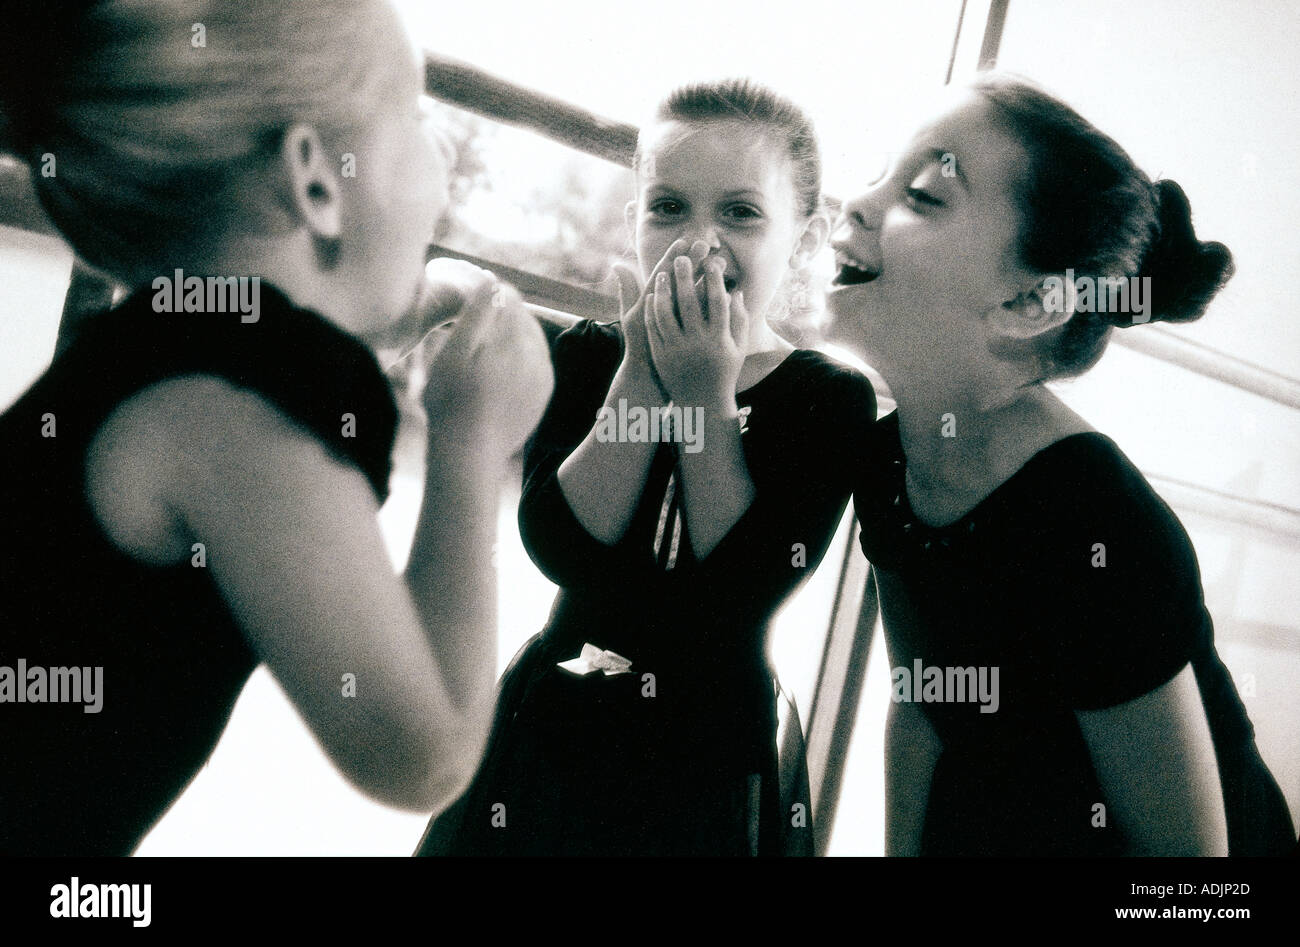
(860, 213)
(710, 236)
(843, 229)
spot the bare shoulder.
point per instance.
(182, 439)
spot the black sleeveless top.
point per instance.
(173, 660)
(1077, 583)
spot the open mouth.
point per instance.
(729, 282)
(850, 272)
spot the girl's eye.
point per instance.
(923, 198)
(744, 212)
(666, 208)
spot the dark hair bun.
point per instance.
(1185, 272)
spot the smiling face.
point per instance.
(729, 185)
(928, 254)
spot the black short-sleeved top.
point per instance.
(1079, 584)
(801, 436)
(802, 429)
(591, 765)
(173, 659)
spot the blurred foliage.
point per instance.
(575, 228)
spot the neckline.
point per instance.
(775, 369)
(994, 498)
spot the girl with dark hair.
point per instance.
(644, 718)
(1006, 535)
(187, 494)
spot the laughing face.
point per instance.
(729, 185)
(927, 253)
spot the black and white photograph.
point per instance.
(695, 431)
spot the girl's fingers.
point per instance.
(473, 323)
(651, 314)
(675, 249)
(688, 300)
(699, 250)
(664, 307)
(719, 305)
(629, 286)
(638, 307)
(740, 320)
(653, 330)
(631, 296)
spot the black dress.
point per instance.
(173, 660)
(1078, 582)
(678, 756)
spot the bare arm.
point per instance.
(912, 749)
(488, 386)
(294, 547)
(699, 357)
(449, 574)
(1155, 760)
(602, 481)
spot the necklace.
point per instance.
(921, 534)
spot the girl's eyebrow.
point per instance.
(747, 193)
